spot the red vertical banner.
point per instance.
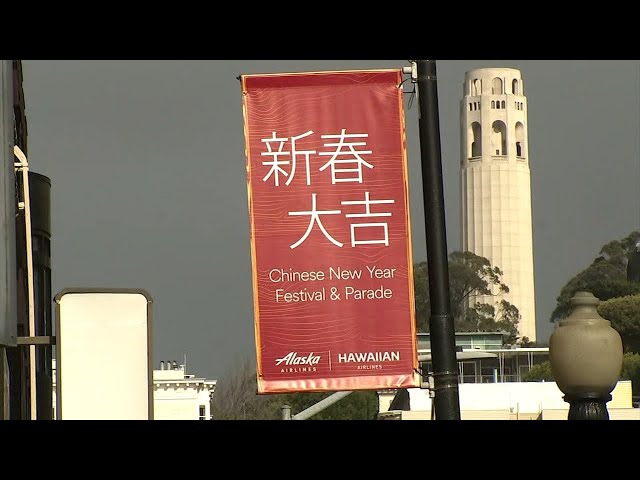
(331, 254)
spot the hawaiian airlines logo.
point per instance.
(361, 357)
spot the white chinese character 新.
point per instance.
(315, 218)
(346, 165)
(367, 202)
(276, 165)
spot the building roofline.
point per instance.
(503, 333)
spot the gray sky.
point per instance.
(147, 166)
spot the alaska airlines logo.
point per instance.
(292, 358)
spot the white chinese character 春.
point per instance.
(352, 166)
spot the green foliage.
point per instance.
(235, 398)
(359, 405)
(631, 371)
(540, 372)
(526, 343)
(606, 277)
(469, 275)
(624, 315)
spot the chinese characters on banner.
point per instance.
(330, 233)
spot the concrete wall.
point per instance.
(513, 401)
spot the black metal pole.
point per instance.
(443, 349)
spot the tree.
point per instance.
(631, 371)
(606, 277)
(235, 398)
(484, 317)
(539, 373)
(470, 275)
(624, 315)
(359, 405)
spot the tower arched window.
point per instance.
(493, 104)
(496, 86)
(498, 138)
(520, 151)
(476, 87)
(504, 104)
(515, 87)
(475, 137)
(470, 107)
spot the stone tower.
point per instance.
(495, 183)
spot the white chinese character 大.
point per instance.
(346, 169)
(314, 213)
(371, 228)
(276, 164)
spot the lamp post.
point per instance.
(586, 359)
(441, 325)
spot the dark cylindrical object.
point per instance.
(8, 207)
(40, 195)
(441, 325)
(40, 209)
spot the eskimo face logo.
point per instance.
(292, 358)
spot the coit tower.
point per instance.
(496, 184)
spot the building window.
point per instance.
(476, 140)
(514, 87)
(504, 104)
(493, 104)
(499, 138)
(496, 86)
(520, 140)
(476, 87)
(203, 413)
(470, 107)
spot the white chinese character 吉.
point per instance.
(367, 202)
(276, 165)
(346, 165)
(315, 218)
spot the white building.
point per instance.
(492, 385)
(496, 185)
(176, 394)
(180, 396)
(509, 401)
